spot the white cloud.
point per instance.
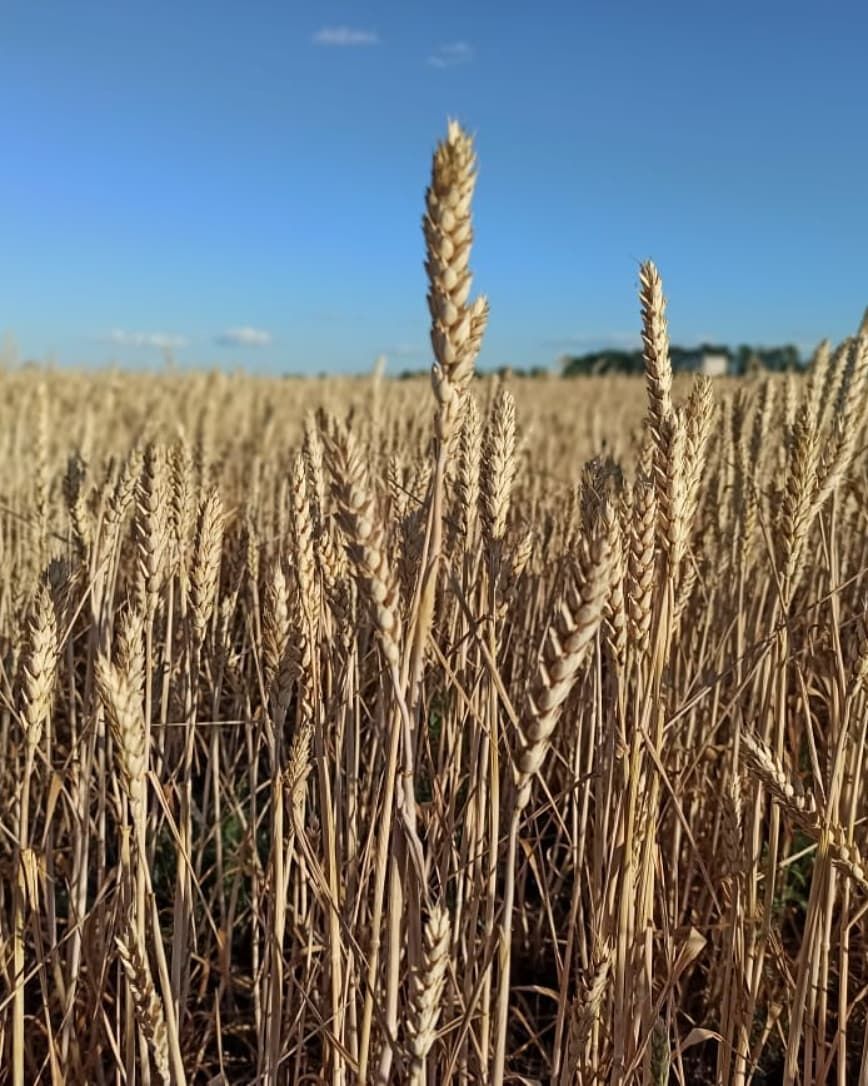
(244, 337)
(345, 36)
(163, 341)
(449, 56)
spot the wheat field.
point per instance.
(471, 730)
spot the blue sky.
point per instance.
(245, 181)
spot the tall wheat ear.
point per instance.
(666, 424)
(457, 326)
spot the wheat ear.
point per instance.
(40, 668)
(206, 566)
(586, 1007)
(150, 1015)
(469, 461)
(457, 326)
(152, 528)
(366, 543)
(123, 707)
(498, 467)
(428, 990)
(568, 639)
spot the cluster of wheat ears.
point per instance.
(349, 734)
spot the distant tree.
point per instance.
(743, 356)
(779, 359)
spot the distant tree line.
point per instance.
(500, 371)
(739, 361)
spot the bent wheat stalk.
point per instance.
(568, 641)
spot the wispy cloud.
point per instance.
(343, 36)
(163, 341)
(451, 55)
(244, 337)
